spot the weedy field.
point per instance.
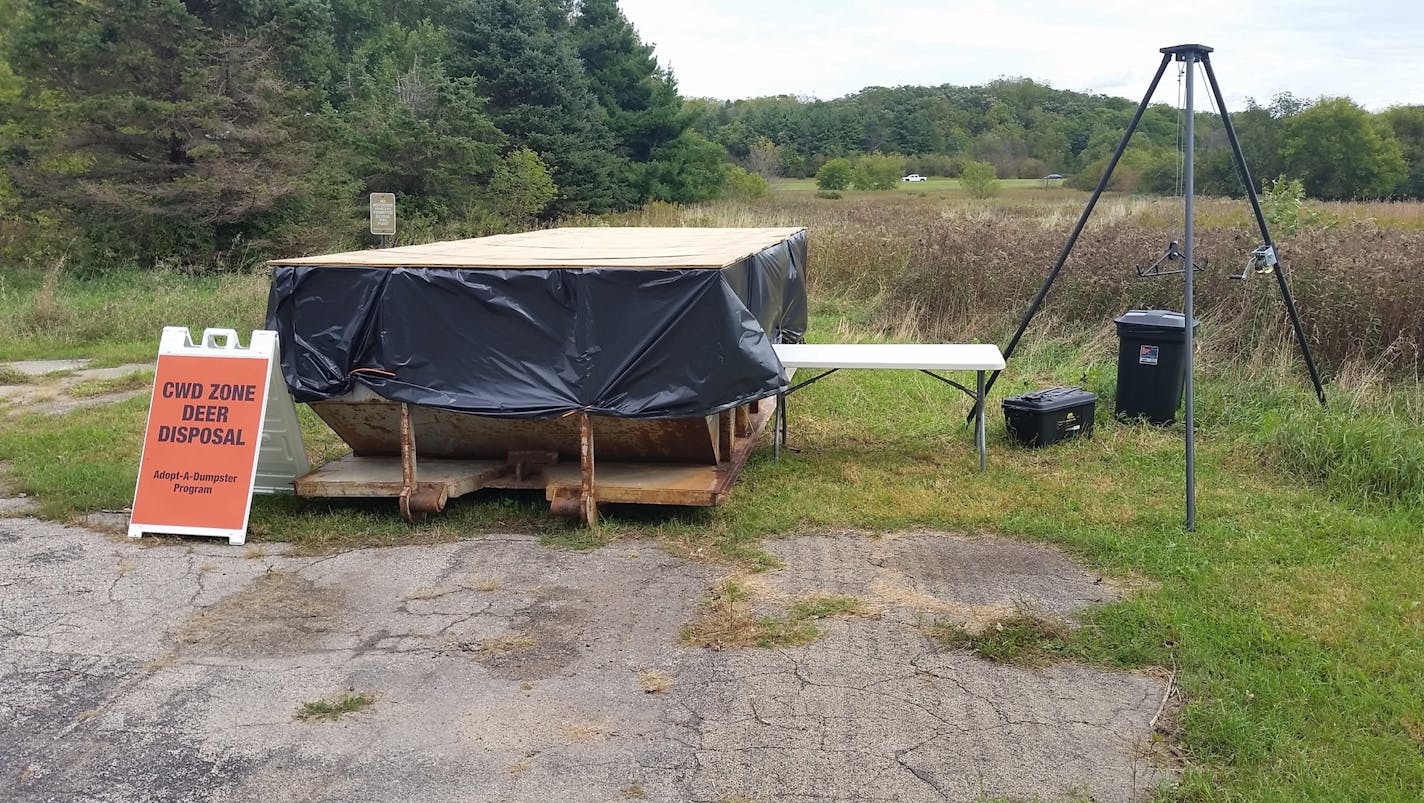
(1293, 617)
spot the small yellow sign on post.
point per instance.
(383, 213)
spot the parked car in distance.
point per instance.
(1053, 177)
(914, 177)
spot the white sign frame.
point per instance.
(224, 344)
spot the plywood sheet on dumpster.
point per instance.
(573, 247)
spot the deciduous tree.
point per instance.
(1407, 123)
(1340, 152)
(521, 187)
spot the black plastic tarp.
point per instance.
(625, 342)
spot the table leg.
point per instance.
(979, 421)
(778, 427)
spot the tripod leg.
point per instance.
(1078, 228)
(1265, 233)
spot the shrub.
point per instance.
(522, 186)
(834, 175)
(878, 171)
(979, 180)
(1283, 205)
(743, 185)
(1033, 168)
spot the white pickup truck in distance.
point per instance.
(914, 177)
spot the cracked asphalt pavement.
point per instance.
(504, 670)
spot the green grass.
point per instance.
(134, 380)
(116, 319)
(334, 709)
(797, 625)
(1026, 639)
(1294, 614)
(83, 461)
(13, 376)
(933, 185)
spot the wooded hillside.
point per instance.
(209, 135)
(1028, 130)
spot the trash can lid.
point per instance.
(1154, 319)
(1050, 400)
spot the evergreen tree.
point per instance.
(522, 54)
(163, 137)
(639, 97)
(411, 129)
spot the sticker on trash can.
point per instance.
(1147, 355)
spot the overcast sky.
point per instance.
(1370, 50)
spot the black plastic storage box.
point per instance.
(1048, 416)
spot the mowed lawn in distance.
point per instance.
(1294, 616)
(931, 184)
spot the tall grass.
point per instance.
(954, 268)
(1368, 445)
(118, 317)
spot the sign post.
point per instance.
(205, 434)
(383, 216)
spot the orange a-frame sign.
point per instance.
(204, 431)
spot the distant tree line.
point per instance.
(142, 131)
(200, 133)
(1028, 130)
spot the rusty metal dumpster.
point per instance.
(600, 364)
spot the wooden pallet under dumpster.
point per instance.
(425, 456)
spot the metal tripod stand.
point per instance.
(1191, 55)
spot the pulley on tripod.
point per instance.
(1261, 262)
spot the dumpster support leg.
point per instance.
(416, 500)
(588, 503)
(407, 442)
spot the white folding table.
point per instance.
(924, 357)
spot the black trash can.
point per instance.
(1151, 360)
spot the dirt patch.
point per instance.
(279, 613)
(546, 640)
(973, 581)
(55, 387)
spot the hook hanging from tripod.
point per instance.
(1261, 262)
(1172, 254)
